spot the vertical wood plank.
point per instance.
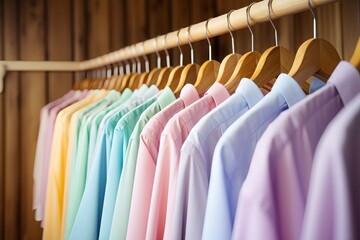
(118, 26)
(223, 47)
(329, 24)
(181, 18)
(59, 45)
(98, 27)
(11, 127)
(79, 41)
(350, 26)
(159, 23)
(33, 97)
(2, 136)
(202, 10)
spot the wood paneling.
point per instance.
(80, 29)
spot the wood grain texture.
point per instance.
(59, 30)
(32, 98)
(2, 134)
(80, 29)
(11, 125)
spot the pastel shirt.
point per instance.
(146, 162)
(40, 152)
(233, 154)
(95, 123)
(114, 161)
(280, 171)
(57, 169)
(332, 209)
(196, 158)
(172, 138)
(124, 195)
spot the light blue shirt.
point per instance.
(87, 222)
(233, 154)
(123, 199)
(196, 158)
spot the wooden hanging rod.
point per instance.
(216, 26)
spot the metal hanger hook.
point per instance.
(147, 65)
(138, 62)
(313, 14)
(158, 58)
(229, 29)
(207, 37)
(269, 12)
(178, 44)
(189, 41)
(166, 52)
(248, 24)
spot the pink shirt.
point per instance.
(272, 199)
(173, 136)
(146, 163)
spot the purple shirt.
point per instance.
(332, 209)
(272, 200)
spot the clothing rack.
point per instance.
(258, 13)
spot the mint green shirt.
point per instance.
(124, 194)
(78, 163)
(125, 96)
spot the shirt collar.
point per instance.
(289, 89)
(346, 80)
(189, 94)
(250, 91)
(166, 97)
(152, 91)
(126, 93)
(218, 92)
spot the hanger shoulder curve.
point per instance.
(163, 77)
(272, 63)
(153, 76)
(124, 81)
(188, 75)
(227, 67)
(174, 77)
(244, 68)
(355, 59)
(207, 75)
(315, 57)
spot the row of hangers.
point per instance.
(315, 57)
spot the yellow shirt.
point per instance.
(57, 168)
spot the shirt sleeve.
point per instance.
(142, 191)
(191, 195)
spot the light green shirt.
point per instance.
(124, 194)
(77, 176)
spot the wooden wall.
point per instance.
(81, 29)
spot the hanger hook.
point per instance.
(178, 44)
(189, 41)
(313, 14)
(207, 37)
(269, 12)
(132, 59)
(147, 65)
(158, 58)
(166, 52)
(248, 24)
(138, 63)
(229, 29)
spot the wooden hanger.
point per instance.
(165, 72)
(228, 64)
(273, 61)
(190, 71)
(315, 57)
(154, 74)
(355, 59)
(175, 74)
(244, 68)
(208, 71)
